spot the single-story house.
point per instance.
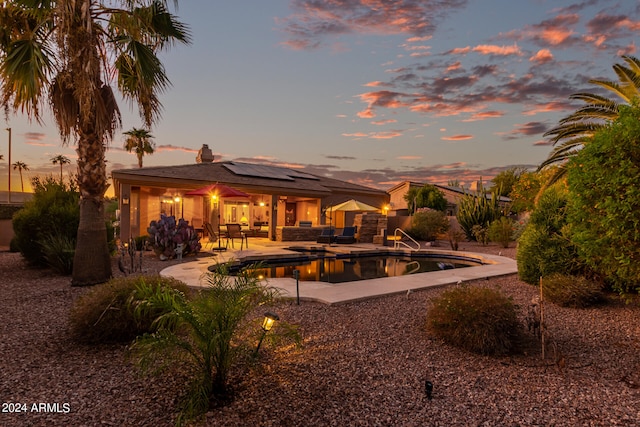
(398, 205)
(276, 197)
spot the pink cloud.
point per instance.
(486, 49)
(456, 137)
(169, 147)
(409, 157)
(482, 115)
(385, 135)
(542, 56)
(383, 122)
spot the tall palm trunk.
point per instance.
(92, 262)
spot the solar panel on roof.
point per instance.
(264, 171)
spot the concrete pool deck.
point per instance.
(336, 293)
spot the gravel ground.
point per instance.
(362, 364)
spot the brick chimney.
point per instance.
(204, 155)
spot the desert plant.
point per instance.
(572, 291)
(454, 234)
(501, 231)
(477, 209)
(477, 319)
(427, 224)
(166, 234)
(480, 234)
(106, 312)
(58, 251)
(213, 332)
(545, 247)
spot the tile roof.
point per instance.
(243, 176)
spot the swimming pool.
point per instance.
(339, 268)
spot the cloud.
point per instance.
(383, 122)
(314, 20)
(542, 56)
(482, 115)
(169, 147)
(526, 129)
(37, 139)
(341, 157)
(486, 49)
(409, 157)
(456, 137)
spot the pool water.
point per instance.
(332, 269)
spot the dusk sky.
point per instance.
(370, 91)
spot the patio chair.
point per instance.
(234, 231)
(348, 235)
(326, 236)
(214, 236)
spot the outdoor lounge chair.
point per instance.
(348, 235)
(326, 236)
(234, 231)
(214, 236)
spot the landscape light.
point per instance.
(269, 319)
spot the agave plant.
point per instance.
(170, 238)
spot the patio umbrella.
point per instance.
(352, 205)
(349, 206)
(217, 191)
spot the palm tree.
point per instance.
(139, 141)
(577, 129)
(63, 160)
(68, 55)
(21, 167)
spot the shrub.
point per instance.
(166, 234)
(214, 326)
(427, 224)
(58, 251)
(481, 234)
(454, 234)
(54, 210)
(427, 196)
(544, 247)
(571, 291)
(501, 231)
(477, 319)
(604, 208)
(106, 312)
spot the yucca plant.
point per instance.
(477, 209)
(207, 332)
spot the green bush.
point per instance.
(215, 327)
(477, 319)
(106, 313)
(544, 247)
(427, 196)
(571, 291)
(427, 224)
(604, 207)
(54, 210)
(501, 231)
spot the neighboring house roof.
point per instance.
(243, 176)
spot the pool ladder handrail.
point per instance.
(398, 241)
